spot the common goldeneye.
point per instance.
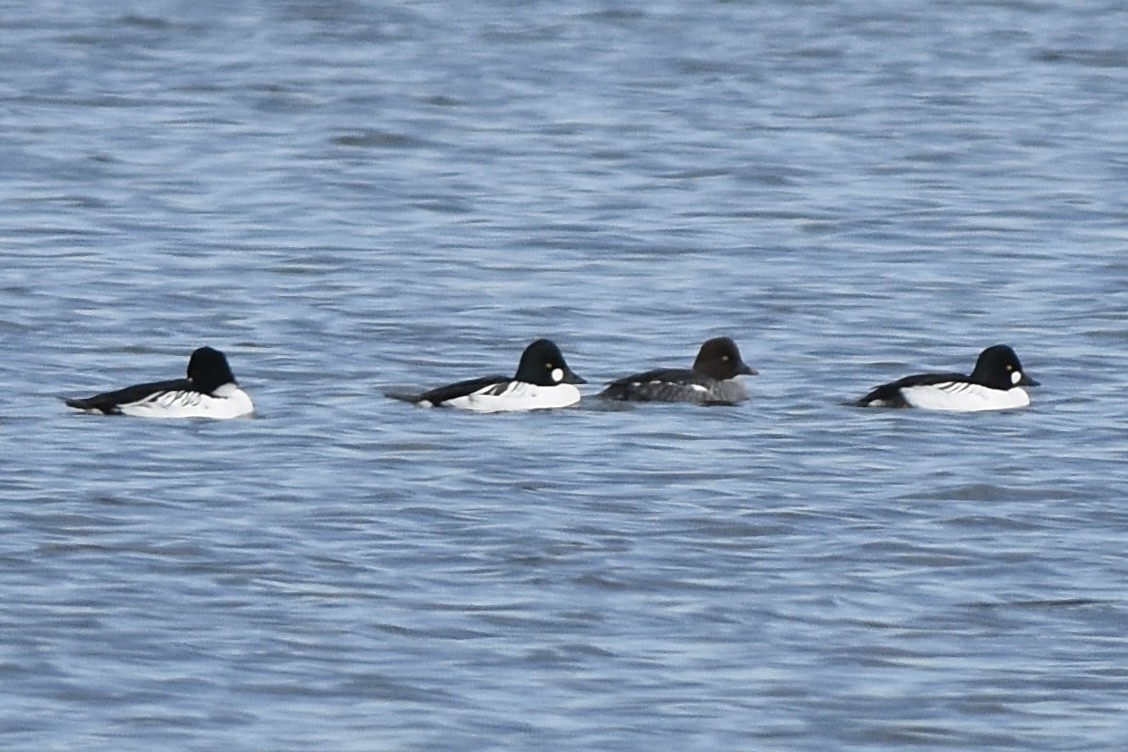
(210, 391)
(711, 381)
(543, 380)
(995, 384)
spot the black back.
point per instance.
(441, 394)
(659, 385)
(110, 402)
(890, 394)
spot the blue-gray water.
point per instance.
(351, 196)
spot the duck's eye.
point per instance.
(557, 374)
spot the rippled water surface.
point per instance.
(347, 197)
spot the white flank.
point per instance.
(228, 401)
(519, 395)
(964, 397)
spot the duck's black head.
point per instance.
(208, 370)
(719, 358)
(543, 364)
(999, 368)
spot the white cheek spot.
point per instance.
(557, 374)
(1016, 376)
